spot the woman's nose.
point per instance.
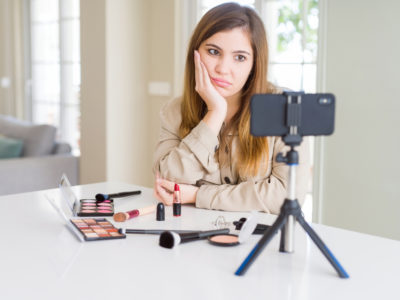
(223, 65)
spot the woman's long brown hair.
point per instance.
(226, 17)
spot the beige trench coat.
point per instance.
(192, 160)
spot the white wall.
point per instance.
(161, 62)
(125, 44)
(362, 177)
(93, 92)
(127, 104)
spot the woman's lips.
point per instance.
(221, 82)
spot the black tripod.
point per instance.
(290, 210)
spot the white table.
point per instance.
(41, 259)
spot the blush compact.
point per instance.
(227, 240)
(224, 240)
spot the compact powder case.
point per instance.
(227, 240)
(224, 240)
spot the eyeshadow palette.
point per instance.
(97, 229)
(95, 208)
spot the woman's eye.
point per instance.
(213, 51)
(240, 57)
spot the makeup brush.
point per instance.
(150, 231)
(123, 216)
(102, 197)
(170, 239)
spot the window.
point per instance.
(206, 5)
(292, 29)
(54, 66)
(292, 36)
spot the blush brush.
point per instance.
(123, 216)
(169, 239)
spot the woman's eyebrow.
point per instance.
(242, 51)
(237, 51)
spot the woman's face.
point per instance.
(228, 57)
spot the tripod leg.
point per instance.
(287, 231)
(282, 241)
(324, 249)
(280, 221)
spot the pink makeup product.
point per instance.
(177, 201)
(96, 208)
(123, 216)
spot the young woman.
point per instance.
(205, 143)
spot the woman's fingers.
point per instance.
(162, 193)
(198, 71)
(203, 82)
(206, 77)
(164, 196)
(166, 184)
(156, 195)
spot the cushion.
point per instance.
(10, 148)
(38, 140)
(62, 148)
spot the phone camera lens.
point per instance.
(325, 101)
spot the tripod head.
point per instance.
(293, 122)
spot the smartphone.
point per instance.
(268, 114)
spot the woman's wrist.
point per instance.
(189, 194)
(220, 106)
(214, 119)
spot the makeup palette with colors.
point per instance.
(97, 229)
(96, 208)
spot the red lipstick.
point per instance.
(177, 201)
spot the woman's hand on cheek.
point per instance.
(206, 90)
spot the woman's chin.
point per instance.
(227, 94)
(223, 92)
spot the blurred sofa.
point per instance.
(42, 159)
